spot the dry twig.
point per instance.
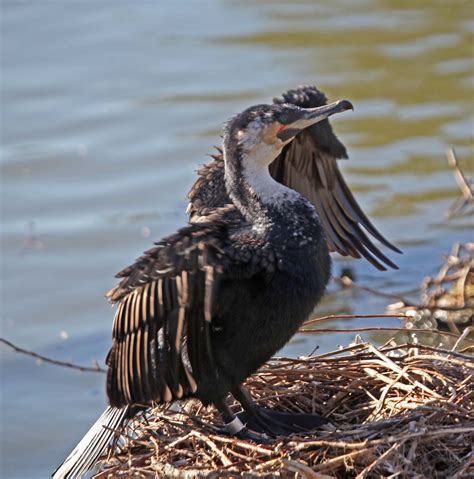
(461, 206)
(44, 359)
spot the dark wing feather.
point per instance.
(308, 165)
(161, 337)
(306, 168)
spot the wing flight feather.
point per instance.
(165, 302)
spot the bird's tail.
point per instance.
(92, 445)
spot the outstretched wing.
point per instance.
(308, 165)
(162, 331)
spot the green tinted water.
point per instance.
(108, 108)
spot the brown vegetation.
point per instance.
(398, 411)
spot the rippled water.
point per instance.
(109, 107)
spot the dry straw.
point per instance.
(398, 411)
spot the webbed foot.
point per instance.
(276, 423)
(247, 434)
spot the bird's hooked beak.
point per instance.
(305, 117)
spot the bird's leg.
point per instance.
(234, 426)
(271, 422)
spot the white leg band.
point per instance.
(234, 426)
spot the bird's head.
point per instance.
(262, 131)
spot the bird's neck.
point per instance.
(254, 192)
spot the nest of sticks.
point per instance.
(398, 411)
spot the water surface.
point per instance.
(109, 107)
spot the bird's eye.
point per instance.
(283, 119)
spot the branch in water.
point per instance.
(56, 362)
(460, 206)
(346, 282)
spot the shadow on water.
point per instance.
(108, 108)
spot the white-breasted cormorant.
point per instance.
(204, 309)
